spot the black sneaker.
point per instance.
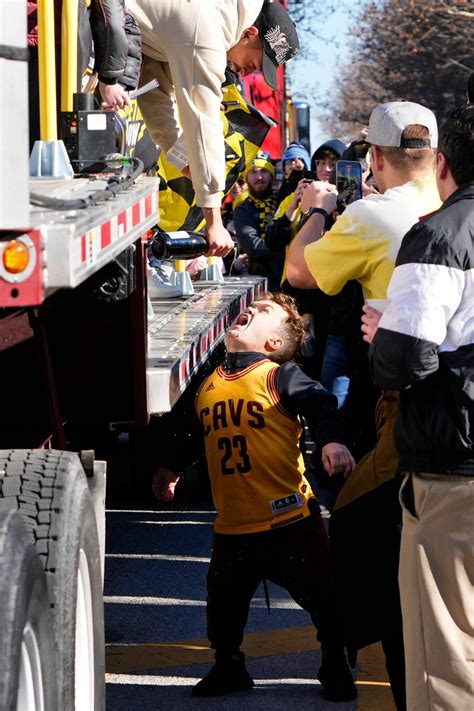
(227, 675)
(336, 678)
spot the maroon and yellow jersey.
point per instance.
(252, 449)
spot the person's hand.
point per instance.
(187, 171)
(293, 206)
(219, 240)
(296, 199)
(367, 188)
(240, 264)
(163, 484)
(370, 322)
(337, 459)
(113, 96)
(300, 188)
(319, 194)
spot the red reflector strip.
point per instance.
(136, 214)
(148, 206)
(83, 249)
(105, 235)
(122, 224)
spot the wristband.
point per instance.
(319, 211)
(108, 81)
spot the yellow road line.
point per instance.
(127, 659)
(372, 681)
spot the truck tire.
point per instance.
(27, 669)
(50, 491)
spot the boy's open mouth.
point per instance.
(243, 319)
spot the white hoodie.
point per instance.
(185, 43)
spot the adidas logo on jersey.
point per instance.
(211, 386)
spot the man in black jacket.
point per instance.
(423, 345)
(117, 50)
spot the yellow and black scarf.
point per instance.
(266, 209)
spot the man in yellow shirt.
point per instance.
(365, 239)
(363, 245)
(268, 524)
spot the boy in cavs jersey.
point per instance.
(268, 525)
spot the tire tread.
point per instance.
(31, 484)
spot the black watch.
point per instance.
(319, 211)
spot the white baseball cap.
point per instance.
(388, 121)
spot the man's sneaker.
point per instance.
(159, 287)
(336, 678)
(227, 675)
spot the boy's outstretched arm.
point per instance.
(337, 459)
(164, 483)
(301, 395)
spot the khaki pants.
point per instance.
(437, 595)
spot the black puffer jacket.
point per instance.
(424, 345)
(117, 43)
(262, 261)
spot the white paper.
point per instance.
(379, 304)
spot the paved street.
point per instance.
(156, 565)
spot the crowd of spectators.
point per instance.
(410, 279)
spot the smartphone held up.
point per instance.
(348, 183)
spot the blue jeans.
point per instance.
(335, 372)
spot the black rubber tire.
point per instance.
(49, 489)
(24, 608)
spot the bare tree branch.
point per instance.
(404, 49)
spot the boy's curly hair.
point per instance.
(293, 327)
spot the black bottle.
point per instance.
(178, 245)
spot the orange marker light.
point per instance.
(16, 257)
